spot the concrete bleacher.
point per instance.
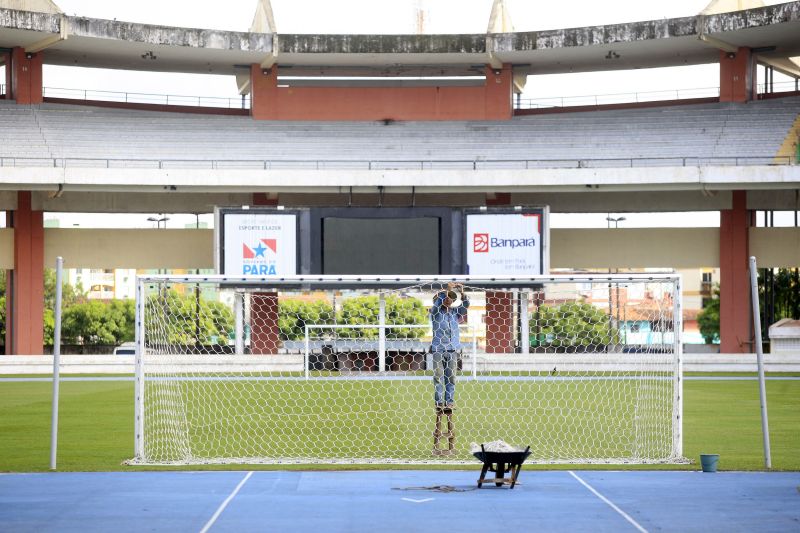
(658, 136)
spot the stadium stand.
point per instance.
(670, 135)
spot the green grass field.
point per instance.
(96, 423)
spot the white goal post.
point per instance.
(407, 369)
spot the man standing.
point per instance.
(447, 312)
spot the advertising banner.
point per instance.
(259, 244)
(504, 244)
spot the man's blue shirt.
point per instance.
(444, 321)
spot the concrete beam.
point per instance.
(775, 247)
(719, 44)
(47, 42)
(6, 248)
(130, 248)
(634, 248)
(119, 202)
(571, 248)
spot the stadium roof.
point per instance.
(771, 31)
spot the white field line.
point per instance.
(225, 503)
(608, 502)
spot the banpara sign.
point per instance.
(508, 243)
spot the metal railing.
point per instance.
(616, 98)
(148, 98)
(362, 164)
(641, 96)
(521, 103)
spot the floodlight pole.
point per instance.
(762, 389)
(56, 364)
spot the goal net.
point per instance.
(407, 370)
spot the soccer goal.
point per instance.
(355, 369)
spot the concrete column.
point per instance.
(264, 331)
(25, 286)
(737, 76)
(26, 77)
(499, 322)
(734, 284)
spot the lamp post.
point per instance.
(158, 220)
(616, 221)
(197, 297)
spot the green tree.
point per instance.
(572, 326)
(293, 315)
(69, 295)
(97, 322)
(172, 318)
(708, 318)
(363, 310)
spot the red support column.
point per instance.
(498, 99)
(26, 77)
(737, 76)
(263, 92)
(499, 322)
(25, 287)
(734, 284)
(264, 331)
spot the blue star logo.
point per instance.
(259, 250)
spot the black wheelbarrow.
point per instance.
(501, 463)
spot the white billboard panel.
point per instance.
(259, 244)
(504, 244)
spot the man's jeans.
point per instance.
(445, 367)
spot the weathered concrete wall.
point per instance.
(596, 35)
(42, 6)
(170, 36)
(751, 18)
(29, 20)
(406, 44)
(647, 30)
(383, 44)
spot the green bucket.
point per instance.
(708, 461)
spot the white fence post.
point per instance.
(762, 386)
(139, 392)
(56, 364)
(238, 311)
(524, 323)
(382, 333)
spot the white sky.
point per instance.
(391, 16)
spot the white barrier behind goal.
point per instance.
(350, 369)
